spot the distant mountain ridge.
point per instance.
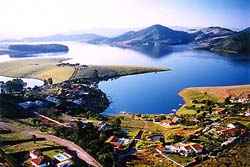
(211, 32)
(60, 37)
(151, 36)
(238, 42)
(159, 38)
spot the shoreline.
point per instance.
(214, 93)
(44, 68)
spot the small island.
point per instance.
(27, 50)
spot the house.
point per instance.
(77, 101)
(102, 126)
(231, 125)
(247, 114)
(220, 111)
(167, 123)
(118, 143)
(176, 120)
(156, 119)
(185, 148)
(156, 137)
(229, 141)
(38, 160)
(63, 160)
(32, 104)
(2, 87)
(230, 132)
(198, 148)
(26, 105)
(34, 154)
(53, 100)
(170, 149)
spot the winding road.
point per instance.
(81, 153)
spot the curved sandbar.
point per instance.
(44, 68)
(37, 68)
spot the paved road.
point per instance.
(82, 154)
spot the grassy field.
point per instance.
(109, 71)
(149, 158)
(37, 68)
(47, 68)
(149, 128)
(215, 94)
(18, 144)
(28, 146)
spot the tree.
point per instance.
(162, 117)
(50, 81)
(45, 82)
(116, 123)
(227, 100)
(16, 85)
(210, 110)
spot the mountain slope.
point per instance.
(152, 36)
(60, 37)
(236, 43)
(211, 32)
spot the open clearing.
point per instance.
(37, 68)
(45, 68)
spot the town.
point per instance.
(41, 122)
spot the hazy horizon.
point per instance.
(45, 17)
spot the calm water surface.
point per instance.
(158, 92)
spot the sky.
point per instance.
(44, 17)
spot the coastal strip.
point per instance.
(37, 68)
(215, 94)
(44, 68)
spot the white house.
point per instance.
(63, 159)
(77, 101)
(184, 148)
(2, 87)
(170, 149)
(37, 159)
(231, 125)
(53, 100)
(229, 141)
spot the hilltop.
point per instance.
(238, 42)
(151, 36)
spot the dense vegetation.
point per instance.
(90, 139)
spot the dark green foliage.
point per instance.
(89, 139)
(16, 85)
(8, 106)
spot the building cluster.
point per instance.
(244, 98)
(66, 96)
(118, 144)
(2, 87)
(170, 121)
(185, 149)
(37, 159)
